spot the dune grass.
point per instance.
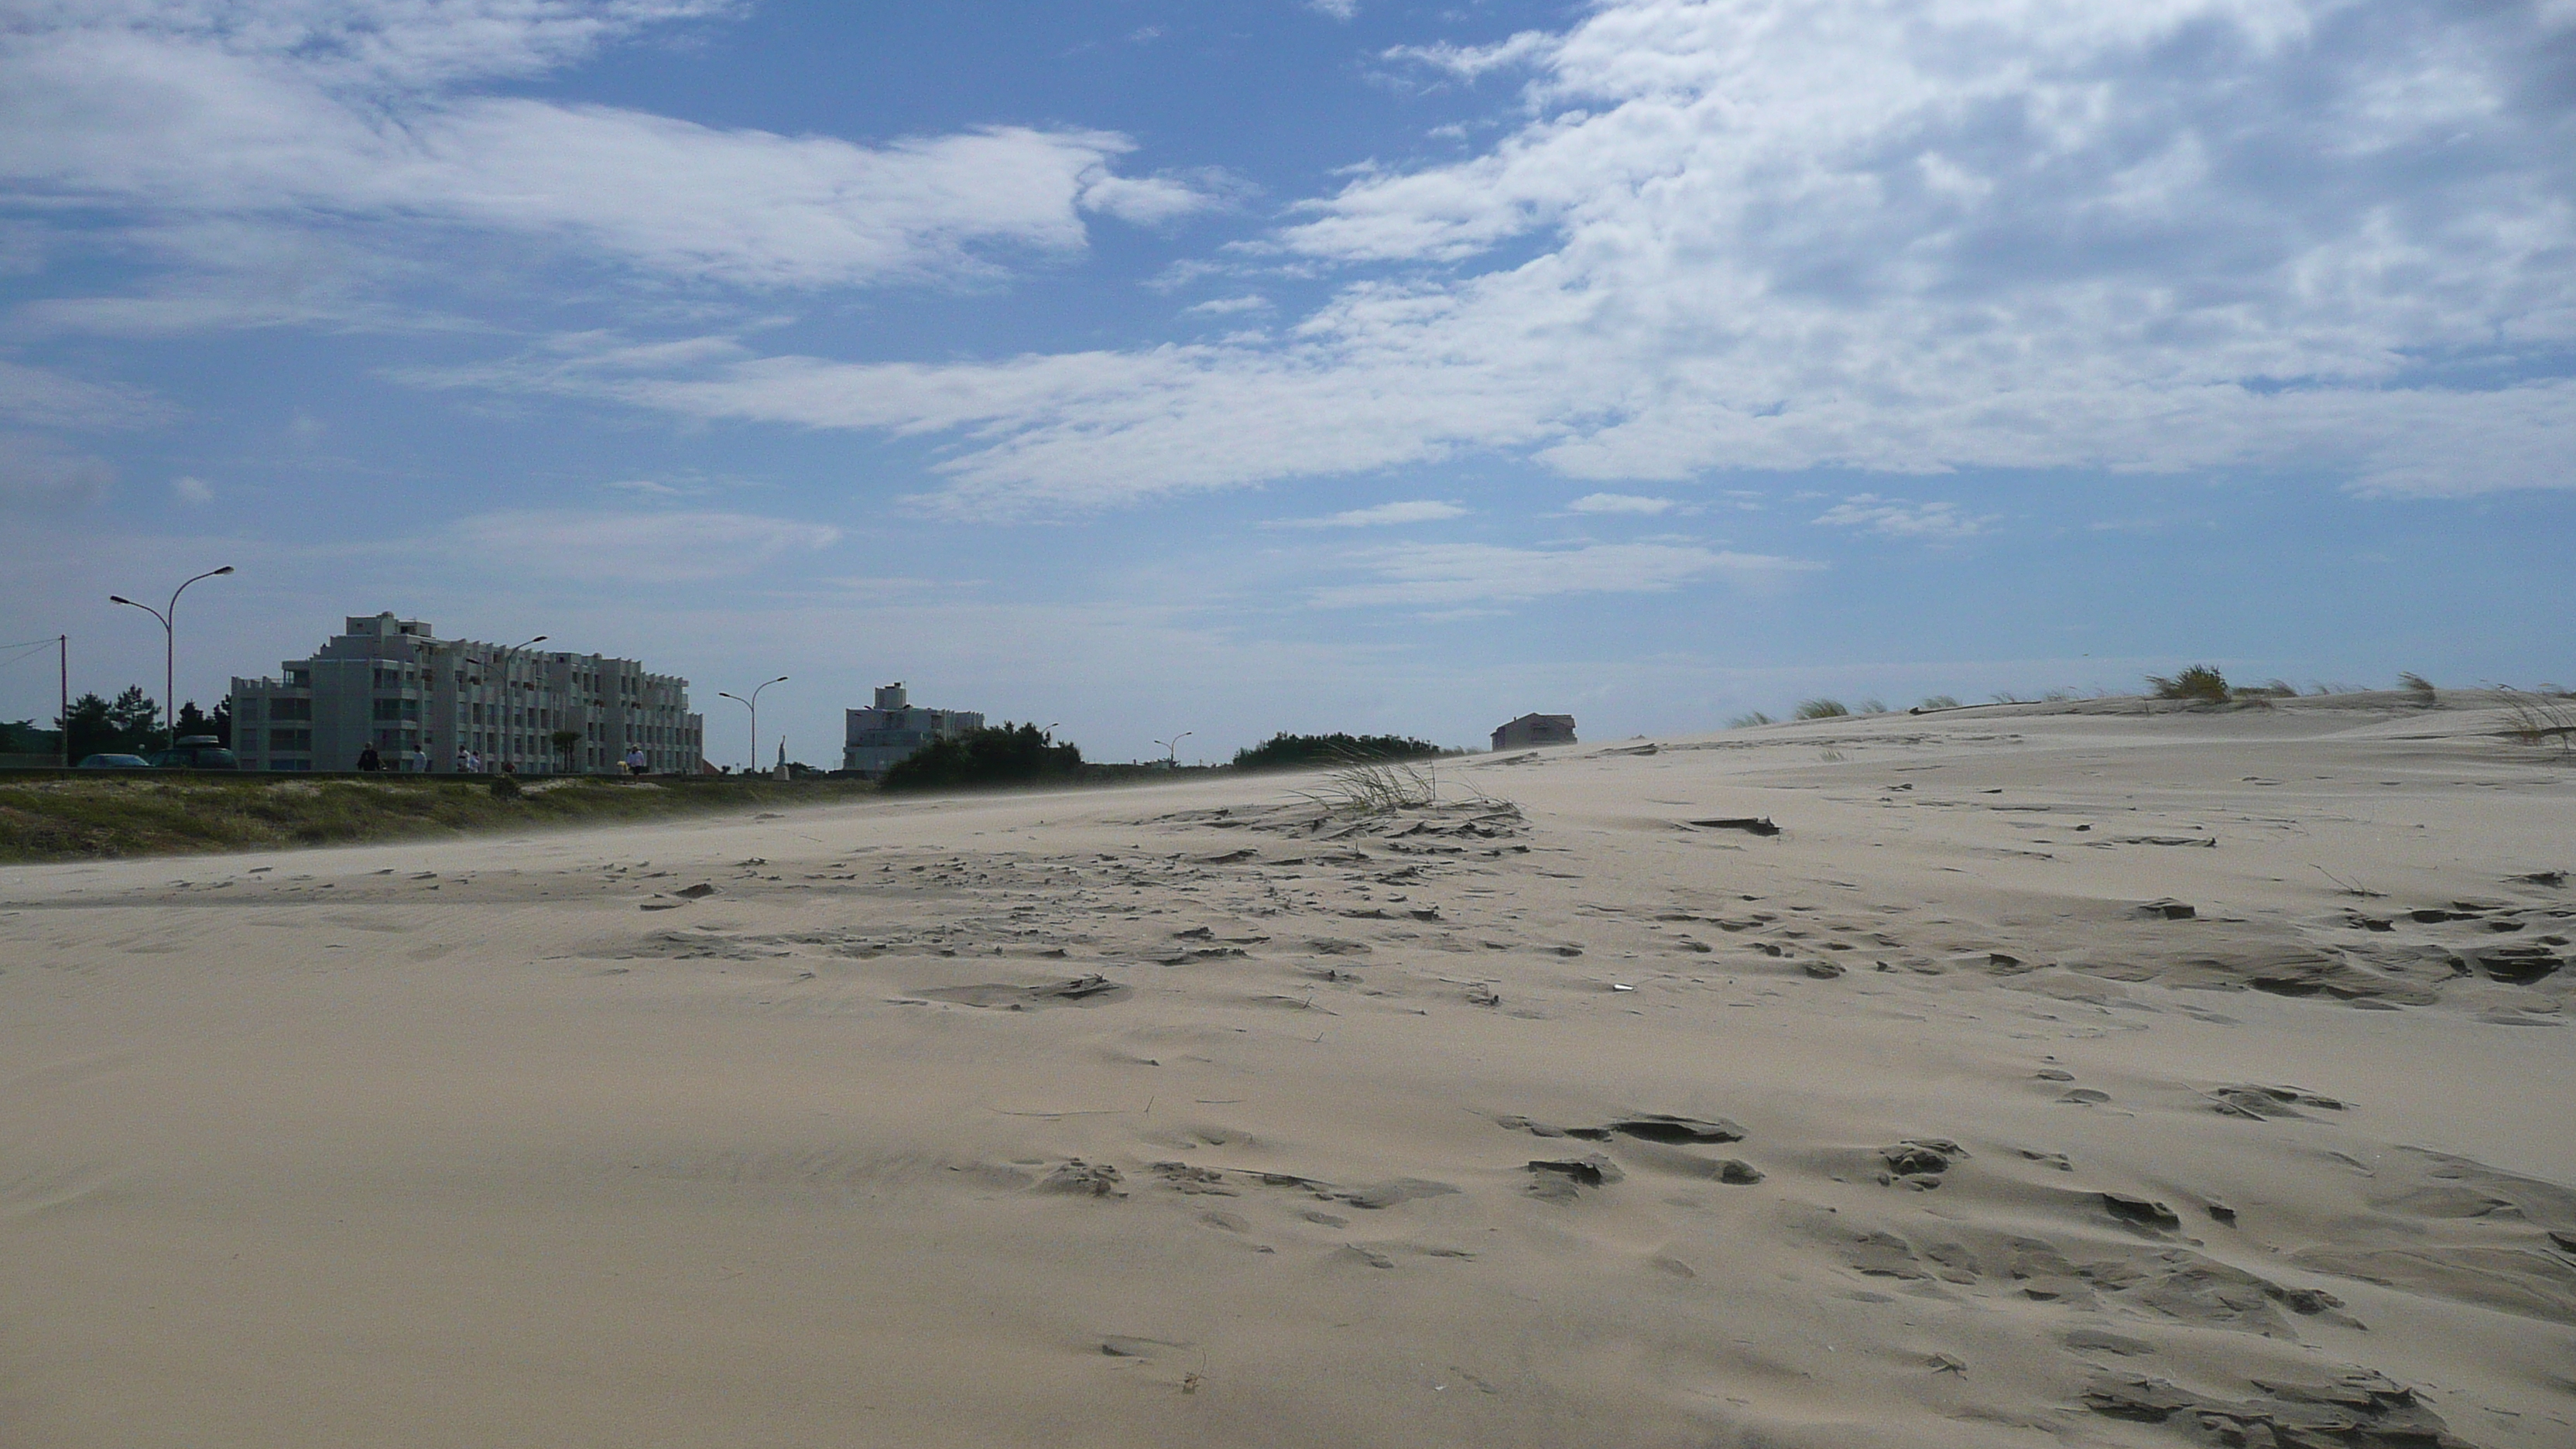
(2542, 720)
(1376, 787)
(87, 817)
(2200, 682)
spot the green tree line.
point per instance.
(129, 724)
(1284, 751)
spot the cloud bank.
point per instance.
(1897, 236)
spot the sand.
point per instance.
(2054, 1076)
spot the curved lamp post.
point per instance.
(509, 731)
(1172, 749)
(752, 704)
(169, 646)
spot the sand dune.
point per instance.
(2053, 1076)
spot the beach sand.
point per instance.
(2064, 1075)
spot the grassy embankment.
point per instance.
(84, 817)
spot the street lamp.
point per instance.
(752, 704)
(169, 645)
(1172, 749)
(509, 728)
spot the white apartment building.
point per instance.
(420, 700)
(892, 728)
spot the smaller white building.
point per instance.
(892, 728)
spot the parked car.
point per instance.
(196, 752)
(114, 762)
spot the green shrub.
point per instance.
(1748, 719)
(505, 787)
(2200, 682)
(1822, 709)
(2420, 688)
(1939, 701)
(1284, 751)
(1005, 754)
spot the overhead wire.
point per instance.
(12, 653)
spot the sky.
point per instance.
(1235, 366)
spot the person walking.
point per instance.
(369, 760)
(635, 761)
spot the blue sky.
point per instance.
(1236, 367)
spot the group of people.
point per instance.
(410, 761)
(472, 764)
(468, 762)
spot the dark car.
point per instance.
(196, 752)
(113, 762)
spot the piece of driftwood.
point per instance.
(1750, 824)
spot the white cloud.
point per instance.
(1620, 503)
(638, 549)
(1895, 236)
(1470, 61)
(209, 273)
(196, 492)
(1229, 306)
(177, 314)
(1147, 200)
(1419, 510)
(295, 114)
(645, 488)
(37, 473)
(1897, 518)
(1068, 432)
(41, 398)
(1476, 573)
(1338, 9)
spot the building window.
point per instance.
(290, 709)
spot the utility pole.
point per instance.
(63, 721)
(169, 645)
